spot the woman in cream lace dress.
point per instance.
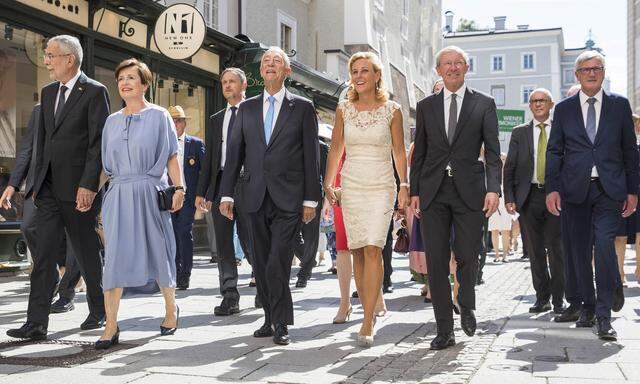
(369, 128)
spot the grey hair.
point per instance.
(70, 44)
(543, 90)
(452, 48)
(281, 52)
(588, 55)
(575, 88)
(236, 71)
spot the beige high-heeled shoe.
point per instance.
(365, 341)
(338, 320)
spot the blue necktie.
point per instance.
(591, 119)
(268, 121)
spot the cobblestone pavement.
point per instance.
(510, 344)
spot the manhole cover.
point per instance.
(509, 367)
(52, 353)
(552, 358)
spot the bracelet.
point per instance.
(404, 185)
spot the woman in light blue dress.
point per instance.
(139, 148)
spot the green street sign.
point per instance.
(509, 118)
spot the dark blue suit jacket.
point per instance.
(193, 158)
(571, 155)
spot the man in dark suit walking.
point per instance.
(448, 186)
(234, 84)
(524, 192)
(190, 157)
(275, 137)
(592, 177)
(68, 165)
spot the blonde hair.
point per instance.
(381, 91)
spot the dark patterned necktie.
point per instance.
(61, 101)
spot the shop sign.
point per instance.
(509, 118)
(179, 31)
(121, 27)
(75, 11)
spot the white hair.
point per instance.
(452, 48)
(69, 44)
(588, 55)
(575, 88)
(543, 90)
(282, 53)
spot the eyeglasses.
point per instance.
(541, 101)
(458, 63)
(52, 56)
(587, 70)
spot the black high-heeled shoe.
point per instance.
(106, 344)
(165, 331)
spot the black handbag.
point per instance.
(165, 198)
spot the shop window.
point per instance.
(168, 91)
(22, 76)
(107, 78)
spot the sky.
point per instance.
(607, 20)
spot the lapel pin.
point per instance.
(192, 161)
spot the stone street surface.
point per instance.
(511, 345)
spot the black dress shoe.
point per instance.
(333, 270)
(226, 308)
(559, 309)
(387, 288)
(442, 341)
(29, 330)
(586, 320)
(92, 323)
(264, 331)
(256, 302)
(214, 258)
(62, 305)
(605, 330)
(106, 344)
(167, 331)
(182, 283)
(355, 294)
(480, 281)
(540, 307)
(301, 283)
(618, 299)
(467, 321)
(281, 335)
(570, 315)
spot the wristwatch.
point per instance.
(180, 188)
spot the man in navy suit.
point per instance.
(592, 177)
(275, 138)
(190, 155)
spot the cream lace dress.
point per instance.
(368, 184)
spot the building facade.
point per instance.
(633, 54)
(320, 36)
(509, 64)
(110, 31)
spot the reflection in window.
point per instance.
(169, 91)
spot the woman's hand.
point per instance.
(330, 194)
(326, 209)
(178, 199)
(403, 198)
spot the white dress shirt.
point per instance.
(181, 153)
(584, 105)
(447, 104)
(279, 97)
(536, 137)
(70, 84)
(225, 129)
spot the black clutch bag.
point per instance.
(165, 198)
